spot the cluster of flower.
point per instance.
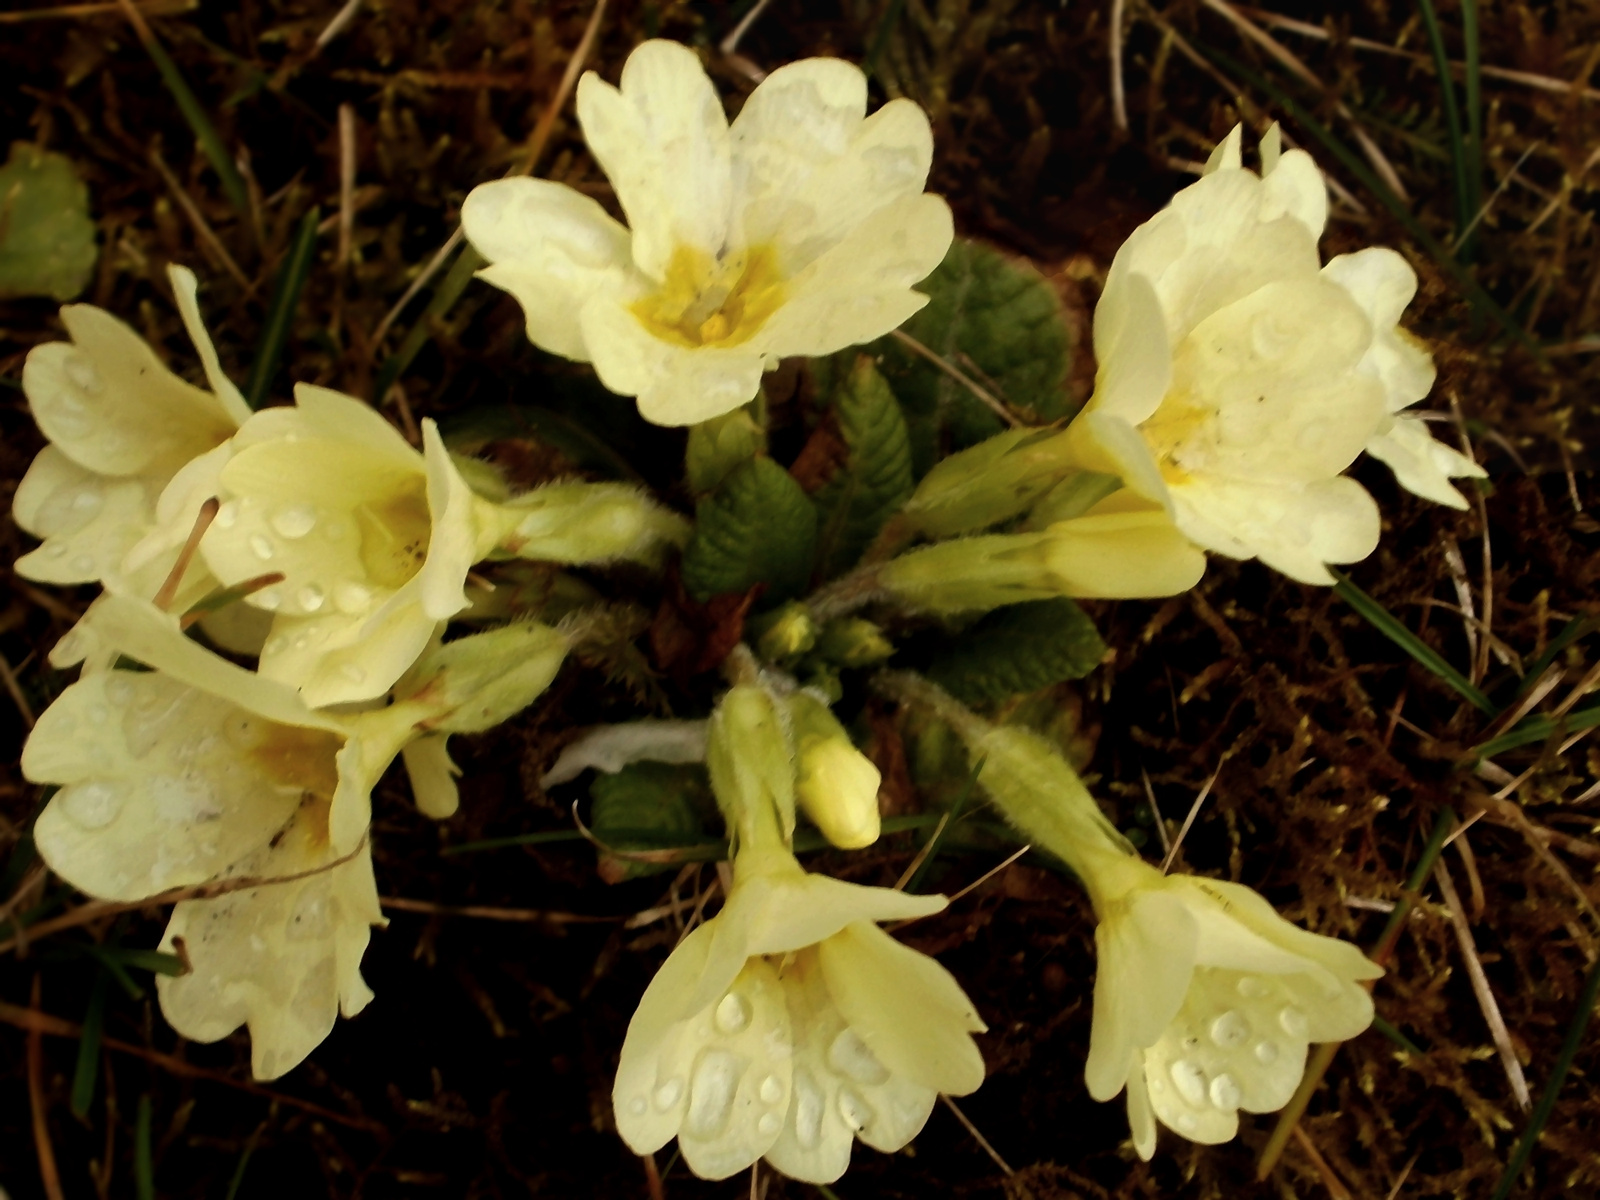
(1238, 377)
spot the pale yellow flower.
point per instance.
(1240, 376)
(132, 449)
(1205, 1001)
(835, 784)
(797, 230)
(198, 772)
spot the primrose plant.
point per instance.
(354, 572)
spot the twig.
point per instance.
(1194, 809)
(341, 22)
(49, 1175)
(347, 183)
(8, 677)
(1334, 1184)
(1119, 96)
(150, 8)
(966, 381)
(978, 1137)
(922, 854)
(487, 913)
(1155, 812)
(202, 522)
(202, 227)
(1480, 988)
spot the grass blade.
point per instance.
(87, 1070)
(1385, 623)
(1469, 43)
(940, 830)
(1574, 629)
(244, 1155)
(1539, 729)
(144, 1176)
(1552, 1088)
(1452, 117)
(280, 313)
(205, 133)
(880, 36)
(1476, 295)
(468, 263)
(1379, 1025)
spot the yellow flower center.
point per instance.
(704, 302)
(1174, 433)
(303, 760)
(394, 534)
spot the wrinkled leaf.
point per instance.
(998, 320)
(646, 807)
(758, 527)
(46, 237)
(1019, 649)
(719, 445)
(876, 477)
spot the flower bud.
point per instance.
(854, 642)
(476, 682)
(752, 768)
(788, 632)
(580, 522)
(1113, 555)
(837, 785)
(988, 483)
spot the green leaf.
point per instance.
(648, 806)
(719, 445)
(280, 313)
(758, 527)
(1022, 648)
(46, 237)
(87, 1070)
(876, 479)
(988, 311)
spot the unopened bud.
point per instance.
(786, 633)
(474, 683)
(837, 785)
(988, 483)
(588, 523)
(854, 642)
(751, 768)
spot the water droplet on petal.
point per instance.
(92, 805)
(119, 691)
(82, 373)
(1251, 988)
(275, 645)
(769, 1124)
(1225, 1093)
(1230, 1029)
(1187, 1123)
(638, 1106)
(1190, 1080)
(296, 521)
(711, 1093)
(261, 547)
(1266, 1052)
(733, 1013)
(669, 1093)
(86, 501)
(56, 550)
(1293, 1022)
(99, 714)
(310, 597)
(312, 917)
(771, 1090)
(83, 562)
(853, 1110)
(271, 599)
(352, 598)
(808, 1109)
(352, 672)
(228, 515)
(853, 1059)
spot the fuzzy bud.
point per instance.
(474, 683)
(837, 785)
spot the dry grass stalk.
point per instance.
(978, 1137)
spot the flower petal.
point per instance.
(861, 288)
(1292, 531)
(906, 1008)
(1293, 185)
(808, 169)
(454, 543)
(1123, 555)
(109, 404)
(1146, 953)
(163, 785)
(792, 913)
(551, 247)
(88, 521)
(340, 659)
(1382, 283)
(433, 776)
(284, 959)
(184, 290)
(662, 140)
(1421, 463)
(1141, 1116)
(1132, 348)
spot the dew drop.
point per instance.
(352, 672)
(335, 531)
(638, 1106)
(1225, 1093)
(271, 599)
(119, 691)
(296, 521)
(1230, 1029)
(769, 1124)
(1190, 1080)
(1187, 1123)
(56, 550)
(275, 645)
(1293, 1021)
(261, 547)
(228, 515)
(86, 501)
(733, 1014)
(352, 598)
(771, 1090)
(310, 597)
(83, 562)
(1251, 988)
(853, 1059)
(808, 1109)
(99, 714)
(853, 1110)
(71, 423)
(1266, 1052)
(312, 918)
(669, 1093)
(83, 374)
(301, 642)
(711, 1093)
(92, 805)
